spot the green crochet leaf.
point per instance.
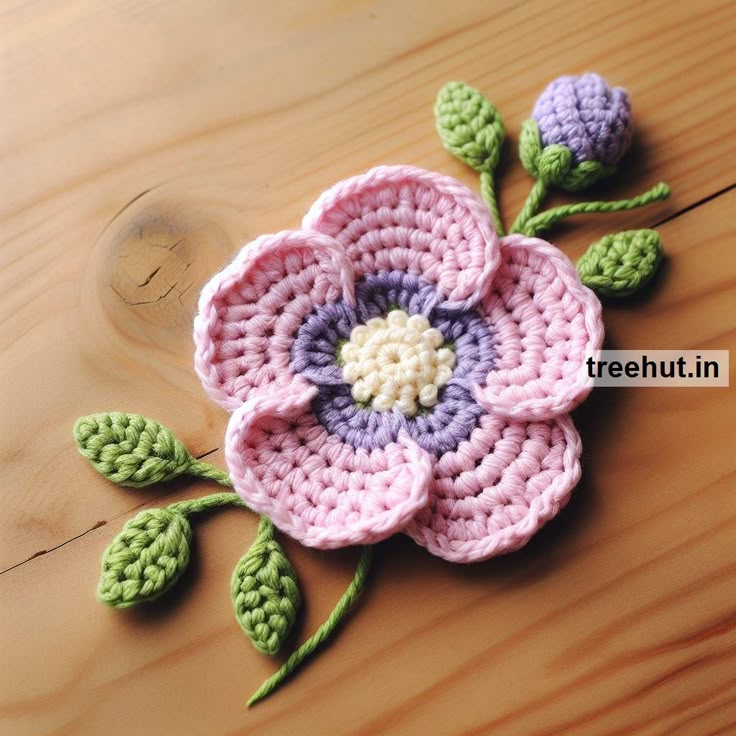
(469, 125)
(130, 449)
(265, 593)
(145, 559)
(553, 164)
(530, 147)
(620, 264)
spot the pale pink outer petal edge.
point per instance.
(540, 409)
(226, 279)
(375, 177)
(289, 403)
(543, 508)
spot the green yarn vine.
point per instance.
(578, 132)
(472, 130)
(323, 633)
(545, 220)
(553, 165)
(152, 551)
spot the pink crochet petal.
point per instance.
(251, 310)
(314, 487)
(408, 219)
(498, 488)
(546, 324)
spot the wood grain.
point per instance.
(142, 142)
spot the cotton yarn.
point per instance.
(580, 129)
(471, 129)
(146, 559)
(265, 592)
(469, 126)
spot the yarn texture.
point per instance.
(397, 364)
(587, 116)
(265, 593)
(580, 129)
(323, 633)
(620, 264)
(135, 451)
(130, 449)
(545, 220)
(152, 551)
(471, 129)
(471, 476)
(555, 164)
(145, 559)
(469, 126)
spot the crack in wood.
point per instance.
(97, 525)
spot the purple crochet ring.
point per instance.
(438, 430)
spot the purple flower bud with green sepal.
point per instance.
(579, 130)
(587, 116)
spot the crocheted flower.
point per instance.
(587, 116)
(394, 366)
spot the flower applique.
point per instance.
(398, 364)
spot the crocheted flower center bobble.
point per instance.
(396, 361)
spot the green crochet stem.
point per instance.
(152, 551)
(197, 505)
(323, 632)
(543, 221)
(204, 470)
(265, 534)
(488, 192)
(532, 204)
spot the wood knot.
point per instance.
(153, 261)
(154, 257)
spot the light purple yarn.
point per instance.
(587, 116)
(438, 431)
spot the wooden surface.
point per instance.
(142, 142)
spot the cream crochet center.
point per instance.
(397, 362)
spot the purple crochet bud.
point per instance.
(587, 116)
